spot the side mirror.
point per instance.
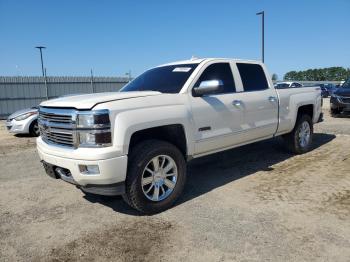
(207, 87)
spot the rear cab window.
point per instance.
(253, 77)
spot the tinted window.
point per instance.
(295, 85)
(253, 77)
(219, 71)
(282, 85)
(165, 79)
(329, 86)
(346, 84)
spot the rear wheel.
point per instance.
(34, 128)
(300, 139)
(156, 176)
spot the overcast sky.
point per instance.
(113, 37)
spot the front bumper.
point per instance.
(20, 127)
(337, 103)
(106, 190)
(109, 181)
(17, 127)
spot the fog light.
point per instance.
(89, 169)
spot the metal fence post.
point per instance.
(46, 88)
(92, 82)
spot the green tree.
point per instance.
(291, 75)
(319, 74)
(274, 77)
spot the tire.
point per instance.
(34, 128)
(294, 142)
(143, 197)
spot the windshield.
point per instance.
(346, 84)
(165, 79)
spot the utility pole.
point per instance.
(262, 13)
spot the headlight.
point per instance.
(95, 138)
(94, 129)
(25, 116)
(93, 119)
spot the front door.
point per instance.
(217, 121)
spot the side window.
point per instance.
(293, 85)
(253, 77)
(298, 85)
(219, 71)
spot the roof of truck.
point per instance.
(195, 60)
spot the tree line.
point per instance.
(322, 74)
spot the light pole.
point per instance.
(41, 57)
(262, 13)
(43, 70)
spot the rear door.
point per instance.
(258, 102)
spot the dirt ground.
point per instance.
(254, 203)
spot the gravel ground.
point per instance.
(253, 203)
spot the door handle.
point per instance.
(272, 99)
(237, 102)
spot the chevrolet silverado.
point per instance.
(136, 142)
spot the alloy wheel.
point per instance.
(159, 178)
(304, 134)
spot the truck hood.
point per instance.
(342, 92)
(88, 101)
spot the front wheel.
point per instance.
(300, 139)
(156, 176)
(34, 128)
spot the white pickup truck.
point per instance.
(136, 142)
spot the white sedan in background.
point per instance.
(24, 121)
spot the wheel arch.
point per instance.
(306, 108)
(174, 134)
(29, 124)
(171, 124)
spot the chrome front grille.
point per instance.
(56, 118)
(57, 126)
(58, 137)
